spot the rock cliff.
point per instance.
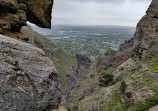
(28, 78)
(147, 28)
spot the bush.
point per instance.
(156, 71)
(106, 79)
(110, 53)
(138, 51)
(146, 79)
(121, 68)
(129, 94)
(123, 86)
(155, 43)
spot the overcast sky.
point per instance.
(98, 12)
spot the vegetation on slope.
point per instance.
(137, 91)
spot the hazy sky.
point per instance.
(98, 12)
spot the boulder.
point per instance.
(28, 78)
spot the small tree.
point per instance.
(106, 79)
(123, 86)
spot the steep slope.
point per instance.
(71, 69)
(62, 60)
(135, 68)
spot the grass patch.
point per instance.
(149, 103)
(114, 102)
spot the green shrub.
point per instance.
(147, 79)
(121, 68)
(156, 71)
(139, 101)
(129, 94)
(110, 53)
(123, 86)
(105, 79)
(138, 51)
(151, 64)
(156, 68)
(150, 88)
(155, 43)
(141, 71)
(138, 76)
(116, 108)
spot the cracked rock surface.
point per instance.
(28, 78)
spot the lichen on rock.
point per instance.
(29, 80)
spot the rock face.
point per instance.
(146, 33)
(39, 11)
(147, 28)
(28, 78)
(12, 15)
(15, 13)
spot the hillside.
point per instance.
(125, 80)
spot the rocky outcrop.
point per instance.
(147, 28)
(39, 11)
(146, 33)
(15, 13)
(12, 15)
(28, 78)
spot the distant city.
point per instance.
(91, 41)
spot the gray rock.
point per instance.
(28, 78)
(146, 31)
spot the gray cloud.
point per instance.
(106, 1)
(99, 12)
